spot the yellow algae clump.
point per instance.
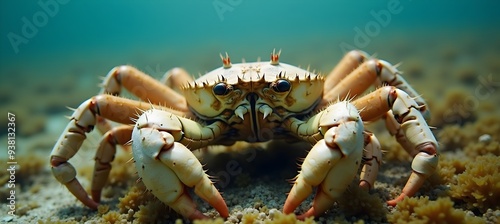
(215, 221)
(249, 218)
(482, 148)
(479, 185)
(280, 218)
(30, 165)
(135, 197)
(113, 217)
(455, 109)
(468, 137)
(421, 210)
(487, 125)
(448, 167)
(102, 209)
(454, 136)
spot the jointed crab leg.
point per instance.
(352, 80)
(83, 121)
(412, 126)
(176, 78)
(166, 165)
(372, 158)
(105, 155)
(143, 86)
(347, 64)
(357, 82)
(390, 75)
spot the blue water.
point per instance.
(192, 33)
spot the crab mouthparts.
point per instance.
(251, 110)
(265, 109)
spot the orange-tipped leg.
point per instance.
(414, 183)
(65, 173)
(77, 190)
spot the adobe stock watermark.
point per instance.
(31, 26)
(223, 6)
(483, 90)
(11, 164)
(381, 19)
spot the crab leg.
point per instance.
(176, 78)
(372, 158)
(390, 75)
(369, 72)
(358, 81)
(105, 155)
(346, 65)
(141, 85)
(333, 161)
(167, 166)
(411, 124)
(82, 121)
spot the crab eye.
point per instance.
(281, 85)
(221, 89)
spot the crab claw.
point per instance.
(167, 167)
(332, 163)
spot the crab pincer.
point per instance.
(333, 161)
(168, 167)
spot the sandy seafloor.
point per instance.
(455, 68)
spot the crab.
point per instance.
(253, 102)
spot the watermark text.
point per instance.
(223, 6)
(11, 163)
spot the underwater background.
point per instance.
(52, 53)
